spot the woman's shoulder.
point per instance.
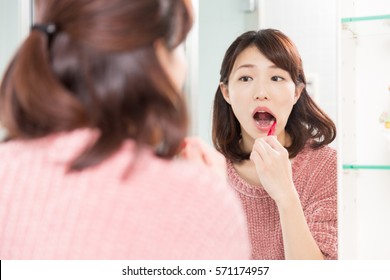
(318, 154)
(314, 160)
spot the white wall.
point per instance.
(220, 22)
(365, 82)
(14, 26)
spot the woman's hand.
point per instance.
(273, 167)
(196, 150)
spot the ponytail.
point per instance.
(33, 103)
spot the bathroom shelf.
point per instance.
(367, 18)
(360, 166)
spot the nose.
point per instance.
(260, 92)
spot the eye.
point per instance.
(245, 79)
(277, 78)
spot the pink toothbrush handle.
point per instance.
(272, 129)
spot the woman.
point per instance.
(95, 118)
(275, 138)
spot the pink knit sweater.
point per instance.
(163, 210)
(315, 178)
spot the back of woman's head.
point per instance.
(99, 69)
(306, 121)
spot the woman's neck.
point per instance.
(247, 171)
(247, 141)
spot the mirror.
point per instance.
(345, 48)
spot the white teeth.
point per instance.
(261, 112)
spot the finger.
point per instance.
(276, 146)
(209, 154)
(201, 152)
(191, 152)
(256, 158)
(273, 142)
(263, 148)
(206, 148)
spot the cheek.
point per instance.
(285, 102)
(240, 94)
(239, 106)
(285, 94)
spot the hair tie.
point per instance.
(48, 29)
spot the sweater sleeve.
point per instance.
(321, 207)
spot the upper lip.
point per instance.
(262, 109)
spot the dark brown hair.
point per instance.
(99, 70)
(306, 121)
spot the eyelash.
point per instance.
(273, 78)
(245, 78)
(277, 77)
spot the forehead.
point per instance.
(251, 57)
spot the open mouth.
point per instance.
(264, 120)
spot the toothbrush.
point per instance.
(272, 129)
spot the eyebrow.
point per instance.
(246, 66)
(273, 66)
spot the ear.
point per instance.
(298, 91)
(225, 92)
